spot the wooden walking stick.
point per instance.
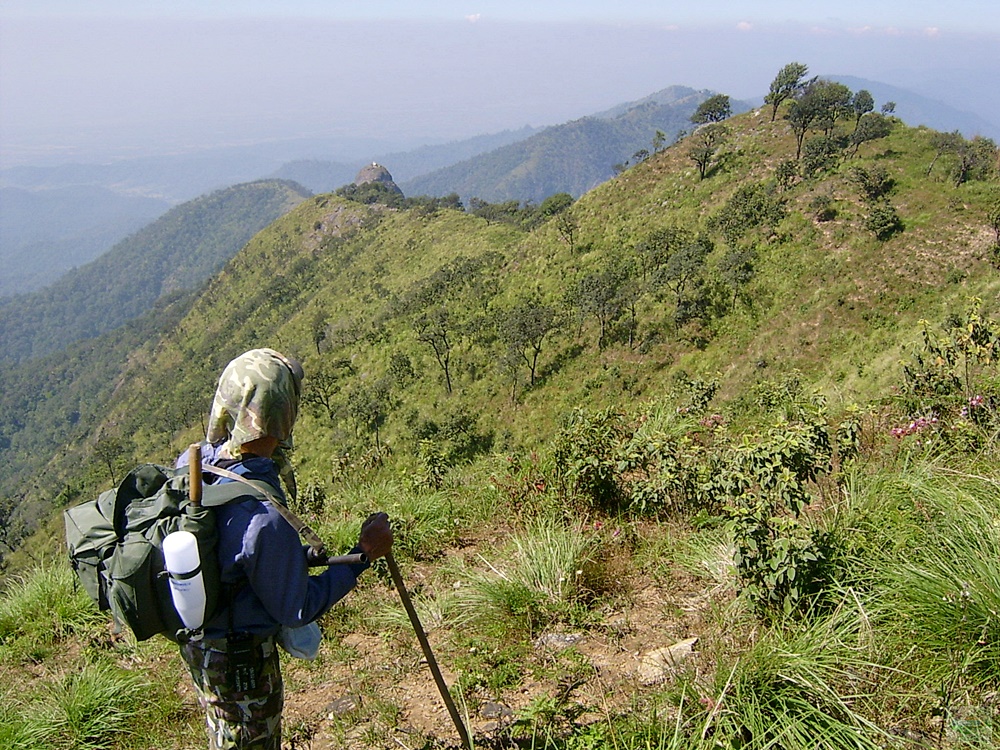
(397, 579)
(194, 467)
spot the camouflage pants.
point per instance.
(239, 716)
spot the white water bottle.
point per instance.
(187, 585)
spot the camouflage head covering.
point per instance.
(257, 396)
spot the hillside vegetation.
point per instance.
(705, 460)
(175, 253)
(732, 277)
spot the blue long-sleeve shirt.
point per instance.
(263, 565)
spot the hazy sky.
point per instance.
(969, 15)
(99, 78)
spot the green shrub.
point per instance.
(782, 565)
(953, 378)
(668, 474)
(819, 154)
(882, 220)
(585, 456)
(433, 466)
(823, 208)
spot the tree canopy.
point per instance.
(714, 109)
(786, 85)
(820, 104)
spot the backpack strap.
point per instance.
(214, 495)
(220, 494)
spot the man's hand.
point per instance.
(376, 536)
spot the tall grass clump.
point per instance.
(41, 608)
(649, 729)
(924, 546)
(98, 706)
(434, 611)
(708, 555)
(12, 725)
(541, 576)
(887, 511)
(423, 521)
(803, 686)
(943, 597)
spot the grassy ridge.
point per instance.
(749, 464)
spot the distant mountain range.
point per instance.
(53, 219)
(914, 109)
(44, 233)
(325, 176)
(570, 158)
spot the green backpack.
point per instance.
(115, 545)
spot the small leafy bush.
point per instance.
(823, 207)
(953, 380)
(882, 220)
(585, 456)
(783, 567)
(665, 473)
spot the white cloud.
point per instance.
(744, 26)
(932, 31)
(474, 18)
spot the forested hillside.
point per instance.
(705, 458)
(59, 399)
(88, 219)
(173, 254)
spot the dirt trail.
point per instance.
(399, 705)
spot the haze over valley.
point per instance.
(131, 111)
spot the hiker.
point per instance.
(265, 574)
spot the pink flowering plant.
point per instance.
(919, 426)
(952, 382)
